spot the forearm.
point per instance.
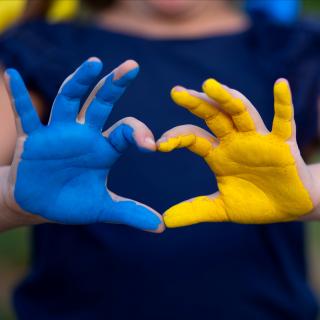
(8, 134)
(315, 173)
(11, 217)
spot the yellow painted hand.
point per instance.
(261, 175)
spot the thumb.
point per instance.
(130, 131)
(134, 214)
(196, 210)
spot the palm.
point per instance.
(246, 179)
(261, 175)
(60, 170)
(68, 174)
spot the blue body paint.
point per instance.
(127, 78)
(68, 101)
(21, 99)
(121, 137)
(69, 162)
(109, 93)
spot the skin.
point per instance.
(173, 18)
(165, 19)
(55, 156)
(246, 159)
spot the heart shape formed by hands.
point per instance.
(60, 170)
(261, 175)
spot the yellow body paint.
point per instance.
(257, 174)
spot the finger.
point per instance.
(134, 214)
(255, 116)
(231, 105)
(73, 90)
(196, 210)
(194, 138)
(258, 122)
(283, 122)
(26, 116)
(218, 122)
(97, 108)
(130, 131)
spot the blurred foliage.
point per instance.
(313, 254)
(310, 6)
(14, 258)
(14, 245)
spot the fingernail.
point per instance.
(161, 140)
(94, 59)
(124, 79)
(152, 222)
(281, 80)
(210, 82)
(149, 142)
(178, 88)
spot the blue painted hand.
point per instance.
(60, 170)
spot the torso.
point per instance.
(204, 271)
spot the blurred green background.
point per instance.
(15, 245)
(14, 259)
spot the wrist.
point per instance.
(314, 215)
(11, 215)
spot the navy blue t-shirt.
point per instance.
(205, 271)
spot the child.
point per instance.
(206, 271)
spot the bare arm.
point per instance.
(33, 188)
(315, 173)
(261, 175)
(10, 218)
(8, 133)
